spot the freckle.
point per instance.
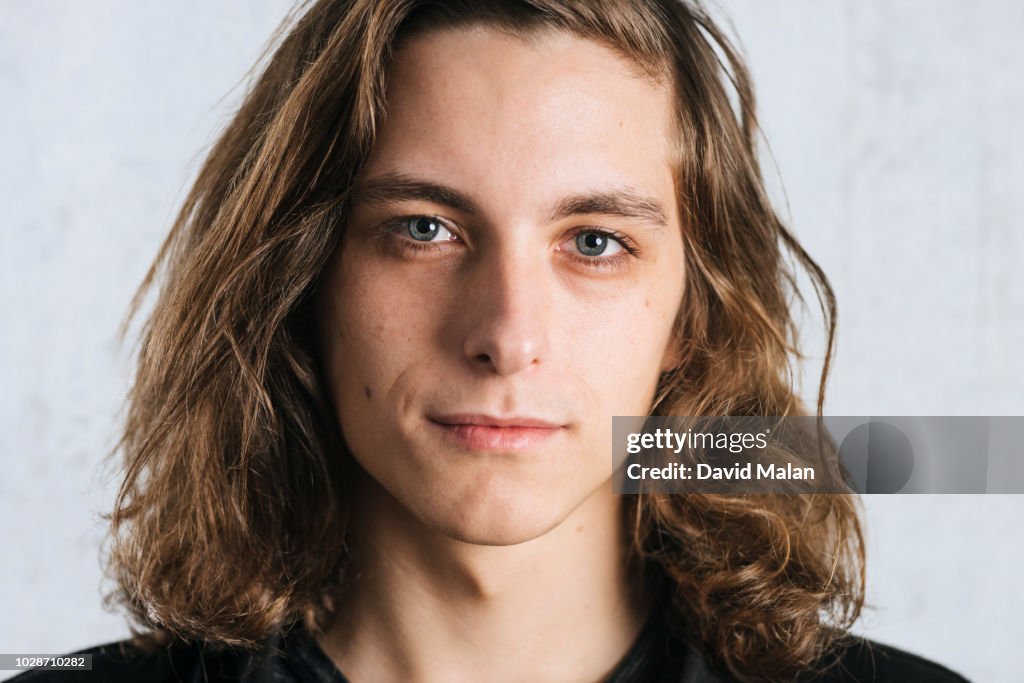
(366, 390)
(647, 303)
(579, 529)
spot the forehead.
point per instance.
(524, 120)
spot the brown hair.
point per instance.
(234, 465)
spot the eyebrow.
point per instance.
(624, 202)
(398, 187)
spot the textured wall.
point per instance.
(894, 126)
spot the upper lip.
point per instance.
(492, 421)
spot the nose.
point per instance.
(506, 313)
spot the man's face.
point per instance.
(512, 258)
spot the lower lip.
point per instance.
(483, 437)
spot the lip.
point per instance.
(492, 421)
(487, 432)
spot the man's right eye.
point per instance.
(424, 229)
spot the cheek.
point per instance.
(620, 347)
(380, 327)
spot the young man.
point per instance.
(439, 247)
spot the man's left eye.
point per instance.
(597, 243)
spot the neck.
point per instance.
(422, 606)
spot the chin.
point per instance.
(504, 517)
(495, 532)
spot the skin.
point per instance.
(468, 560)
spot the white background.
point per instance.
(895, 127)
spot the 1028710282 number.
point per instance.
(66, 662)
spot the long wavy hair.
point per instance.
(231, 519)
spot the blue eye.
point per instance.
(596, 243)
(425, 229)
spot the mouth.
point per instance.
(487, 432)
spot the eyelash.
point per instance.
(630, 250)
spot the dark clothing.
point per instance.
(295, 657)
